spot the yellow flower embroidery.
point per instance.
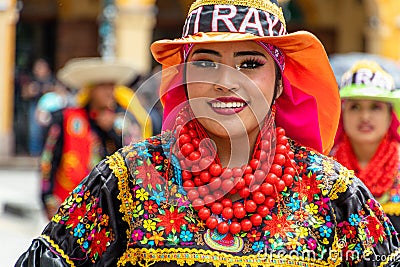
(312, 208)
(149, 225)
(142, 194)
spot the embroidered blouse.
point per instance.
(126, 213)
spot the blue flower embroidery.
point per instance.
(186, 236)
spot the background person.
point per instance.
(222, 185)
(368, 139)
(42, 81)
(79, 137)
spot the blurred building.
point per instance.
(62, 29)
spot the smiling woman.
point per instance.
(240, 176)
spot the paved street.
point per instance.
(21, 218)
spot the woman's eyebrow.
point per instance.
(249, 53)
(206, 51)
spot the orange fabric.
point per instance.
(306, 67)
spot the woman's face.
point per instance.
(366, 121)
(230, 86)
(102, 96)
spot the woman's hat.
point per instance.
(85, 72)
(309, 107)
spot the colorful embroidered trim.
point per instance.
(117, 165)
(342, 182)
(145, 257)
(391, 208)
(58, 249)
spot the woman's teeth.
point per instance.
(227, 104)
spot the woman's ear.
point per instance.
(279, 88)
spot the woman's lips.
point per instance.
(365, 128)
(227, 105)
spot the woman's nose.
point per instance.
(227, 79)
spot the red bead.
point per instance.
(249, 179)
(263, 211)
(215, 183)
(196, 143)
(246, 225)
(235, 228)
(192, 133)
(237, 204)
(188, 184)
(198, 204)
(279, 159)
(209, 200)
(215, 169)
(184, 139)
(281, 139)
(250, 206)
(197, 181)
(239, 212)
(227, 213)
(247, 169)
(223, 228)
(194, 156)
(233, 191)
(192, 194)
(227, 185)
(239, 183)
(271, 178)
(267, 188)
(227, 173)
(183, 130)
(254, 164)
(205, 176)
(204, 213)
(204, 151)
(265, 144)
(269, 202)
(205, 162)
(217, 208)
(256, 219)
(276, 169)
(237, 172)
(288, 179)
(290, 154)
(258, 197)
(186, 149)
(280, 149)
(244, 192)
(191, 125)
(261, 155)
(280, 131)
(290, 170)
(211, 223)
(186, 175)
(218, 194)
(226, 202)
(203, 191)
(259, 176)
(280, 185)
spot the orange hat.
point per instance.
(309, 106)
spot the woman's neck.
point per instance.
(235, 152)
(364, 152)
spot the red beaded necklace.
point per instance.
(210, 187)
(380, 172)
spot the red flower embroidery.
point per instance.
(149, 175)
(307, 186)
(278, 225)
(150, 206)
(350, 231)
(99, 243)
(172, 220)
(375, 228)
(157, 158)
(77, 215)
(254, 236)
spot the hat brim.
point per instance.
(368, 93)
(306, 67)
(83, 72)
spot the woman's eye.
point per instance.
(250, 64)
(204, 64)
(354, 107)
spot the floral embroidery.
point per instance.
(86, 222)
